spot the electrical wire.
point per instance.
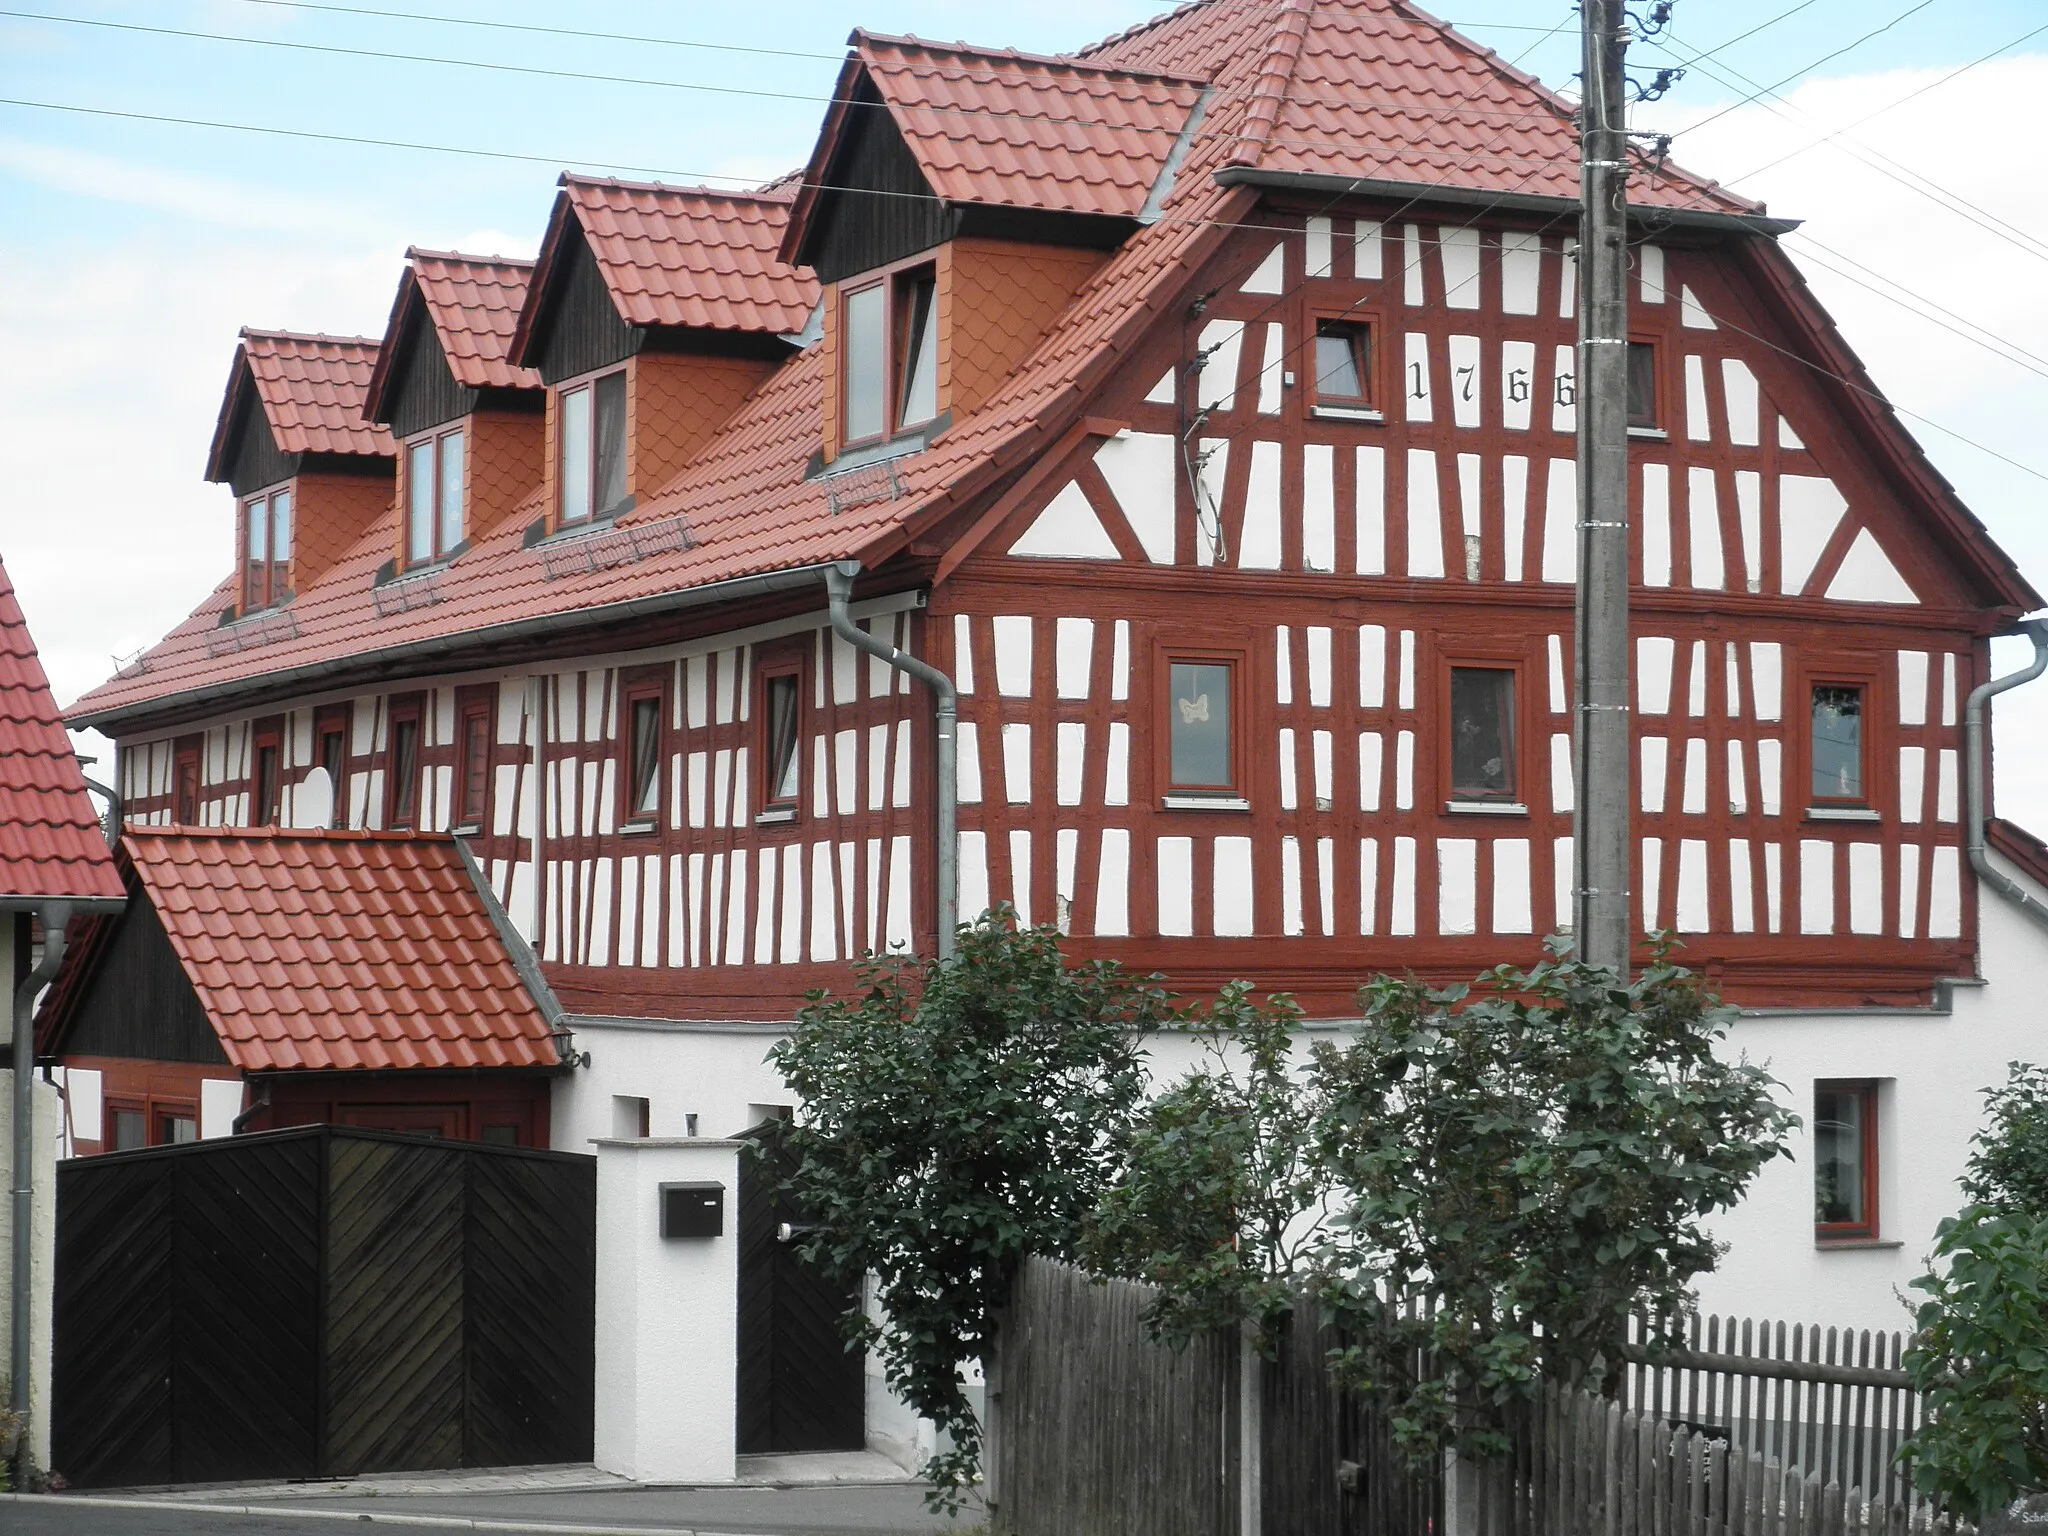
(1826, 58)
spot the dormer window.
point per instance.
(890, 328)
(267, 549)
(592, 448)
(433, 497)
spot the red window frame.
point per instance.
(767, 675)
(1866, 1230)
(1514, 667)
(266, 775)
(402, 782)
(1659, 411)
(1864, 713)
(1365, 331)
(140, 1108)
(267, 583)
(186, 784)
(439, 543)
(330, 751)
(473, 763)
(642, 802)
(899, 284)
(1237, 661)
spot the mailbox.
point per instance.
(692, 1210)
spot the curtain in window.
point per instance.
(419, 503)
(610, 441)
(646, 755)
(782, 734)
(920, 399)
(451, 491)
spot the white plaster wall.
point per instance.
(43, 1235)
(716, 1072)
(1932, 1068)
(667, 1317)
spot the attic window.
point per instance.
(433, 497)
(592, 446)
(890, 339)
(1344, 365)
(266, 549)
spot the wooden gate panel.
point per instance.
(532, 1232)
(394, 1307)
(111, 1401)
(246, 1299)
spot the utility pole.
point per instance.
(1601, 820)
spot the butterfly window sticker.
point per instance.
(1199, 725)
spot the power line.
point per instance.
(1826, 58)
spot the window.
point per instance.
(500, 1135)
(1200, 748)
(185, 793)
(433, 497)
(334, 759)
(645, 764)
(1642, 385)
(1344, 363)
(781, 754)
(130, 1129)
(592, 464)
(1845, 1160)
(1838, 743)
(402, 767)
(890, 345)
(267, 549)
(176, 1126)
(263, 790)
(474, 787)
(1482, 726)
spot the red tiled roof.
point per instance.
(311, 389)
(51, 845)
(678, 256)
(745, 493)
(1018, 130)
(326, 951)
(473, 303)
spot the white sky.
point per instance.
(132, 253)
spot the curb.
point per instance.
(363, 1516)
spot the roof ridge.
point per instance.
(279, 833)
(1269, 87)
(1139, 29)
(258, 333)
(1051, 60)
(415, 252)
(747, 194)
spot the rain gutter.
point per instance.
(1974, 764)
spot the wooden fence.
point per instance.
(1749, 1429)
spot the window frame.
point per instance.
(163, 1110)
(184, 759)
(330, 721)
(1865, 674)
(895, 280)
(473, 711)
(597, 515)
(1869, 1229)
(116, 1104)
(1483, 659)
(1660, 403)
(277, 590)
(1167, 653)
(410, 710)
(772, 809)
(439, 550)
(266, 799)
(637, 686)
(1370, 407)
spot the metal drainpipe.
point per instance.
(945, 713)
(2035, 630)
(55, 915)
(113, 818)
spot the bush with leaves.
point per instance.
(1980, 1347)
(955, 1118)
(1522, 1166)
(1217, 1201)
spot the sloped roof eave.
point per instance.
(406, 299)
(560, 217)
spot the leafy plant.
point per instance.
(1218, 1198)
(1522, 1166)
(2009, 1169)
(954, 1119)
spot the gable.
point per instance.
(580, 328)
(254, 460)
(880, 209)
(138, 1002)
(423, 392)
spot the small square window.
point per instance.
(1845, 1160)
(1344, 362)
(1198, 725)
(404, 768)
(1642, 385)
(1482, 733)
(1838, 743)
(645, 765)
(782, 757)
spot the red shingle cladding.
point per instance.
(51, 845)
(1291, 84)
(686, 256)
(333, 951)
(474, 302)
(312, 391)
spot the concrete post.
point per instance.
(667, 1315)
(42, 1252)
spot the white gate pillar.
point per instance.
(667, 1308)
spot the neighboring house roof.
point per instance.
(321, 951)
(311, 390)
(473, 303)
(51, 845)
(677, 256)
(2016, 843)
(753, 508)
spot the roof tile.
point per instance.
(312, 390)
(474, 302)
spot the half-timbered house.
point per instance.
(1201, 406)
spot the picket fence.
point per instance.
(1745, 1430)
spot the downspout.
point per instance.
(56, 915)
(113, 817)
(2035, 630)
(945, 716)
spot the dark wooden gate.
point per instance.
(800, 1387)
(320, 1302)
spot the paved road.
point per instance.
(890, 1510)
